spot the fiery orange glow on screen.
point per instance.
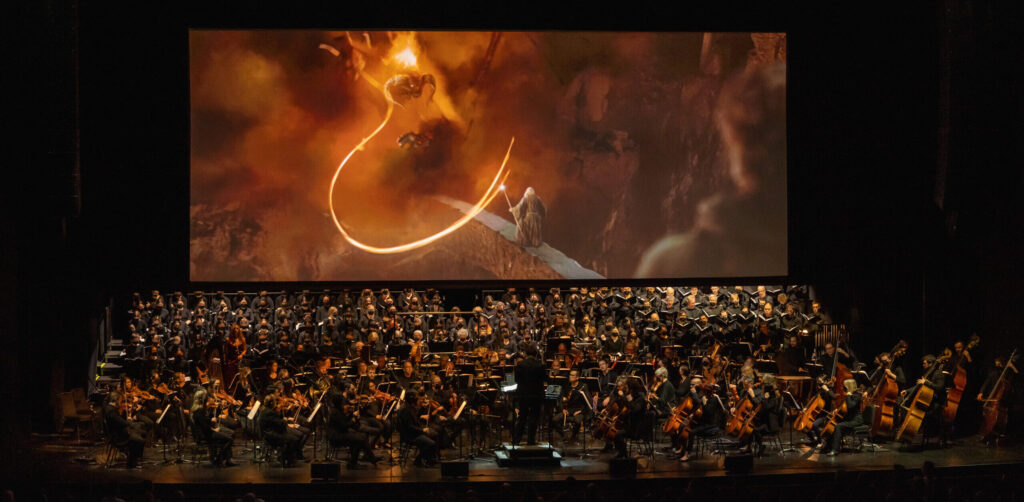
(406, 58)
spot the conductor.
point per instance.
(530, 375)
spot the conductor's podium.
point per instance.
(539, 455)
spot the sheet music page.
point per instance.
(255, 408)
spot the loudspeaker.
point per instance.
(454, 469)
(324, 471)
(739, 464)
(623, 467)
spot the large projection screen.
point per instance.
(462, 155)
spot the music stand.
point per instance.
(796, 406)
(399, 352)
(766, 366)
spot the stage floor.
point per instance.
(59, 461)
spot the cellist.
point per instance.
(712, 414)
(769, 418)
(853, 418)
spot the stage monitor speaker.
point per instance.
(324, 471)
(454, 469)
(623, 468)
(739, 464)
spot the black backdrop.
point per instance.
(901, 211)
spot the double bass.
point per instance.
(920, 401)
(885, 394)
(956, 390)
(994, 408)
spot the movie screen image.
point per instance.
(463, 155)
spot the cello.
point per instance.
(680, 422)
(816, 405)
(885, 394)
(611, 420)
(959, 382)
(741, 423)
(994, 411)
(920, 401)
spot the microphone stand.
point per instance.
(798, 408)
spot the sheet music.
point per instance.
(158, 420)
(252, 412)
(457, 413)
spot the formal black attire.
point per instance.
(341, 432)
(530, 376)
(411, 431)
(124, 435)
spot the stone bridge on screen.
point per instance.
(557, 260)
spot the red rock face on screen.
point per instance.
(410, 156)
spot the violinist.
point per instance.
(372, 414)
(413, 430)
(854, 417)
(134, 405)
(225, 405)
(124, 434)
(360, 402)
(219, 436)
(342, 430)
(278, 432)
